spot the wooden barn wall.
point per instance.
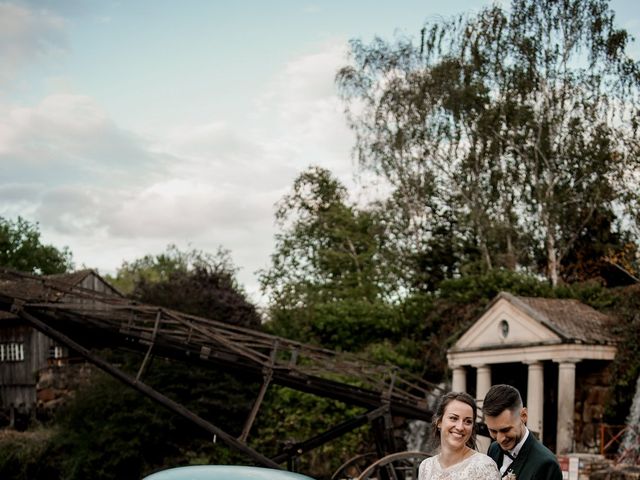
(17, 378)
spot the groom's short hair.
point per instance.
(500, 398)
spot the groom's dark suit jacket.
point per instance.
(534, 461)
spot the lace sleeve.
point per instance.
(486, 470)
(424, 471)
(478, 467)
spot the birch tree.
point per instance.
(519, 122)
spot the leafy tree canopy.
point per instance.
(326, 250)
(513, 125)
(21, 248)
(193, 282)
(328, 282)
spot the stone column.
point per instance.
(483, 382)
(535, 397)
(566, 405)
(459, 380)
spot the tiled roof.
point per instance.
(569, 318)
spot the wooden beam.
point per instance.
(143, 388)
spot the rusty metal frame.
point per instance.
(143, 388)
(82, 318)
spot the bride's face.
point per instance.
(456, 425)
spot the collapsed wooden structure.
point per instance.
(84, 320)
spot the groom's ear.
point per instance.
(523, 414)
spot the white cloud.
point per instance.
(68, 138)
(224, 156)
(18, 200)
(205, 141)
(306, 115)
(11, 192)
(111, 195)
(69, 210)
(224, 180)
(27, 36)
(184, 208)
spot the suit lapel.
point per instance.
(495, 452)
(521, 459)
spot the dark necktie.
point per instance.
(508, 454)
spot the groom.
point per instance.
(518, 454)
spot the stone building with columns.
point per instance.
(555, 351)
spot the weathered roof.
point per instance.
(73, 278)
(78, 278)
(571, 319)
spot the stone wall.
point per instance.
(56, 384)
(592, 395)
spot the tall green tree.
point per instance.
(326, 243)
(330, 284)
(520, 123)
(327, 282)
(21, 248)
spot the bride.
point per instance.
(454, 430)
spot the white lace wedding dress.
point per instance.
(477, 467)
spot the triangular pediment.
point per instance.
(506, 323)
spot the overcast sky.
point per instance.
(126, 126)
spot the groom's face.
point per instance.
(508, 428)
